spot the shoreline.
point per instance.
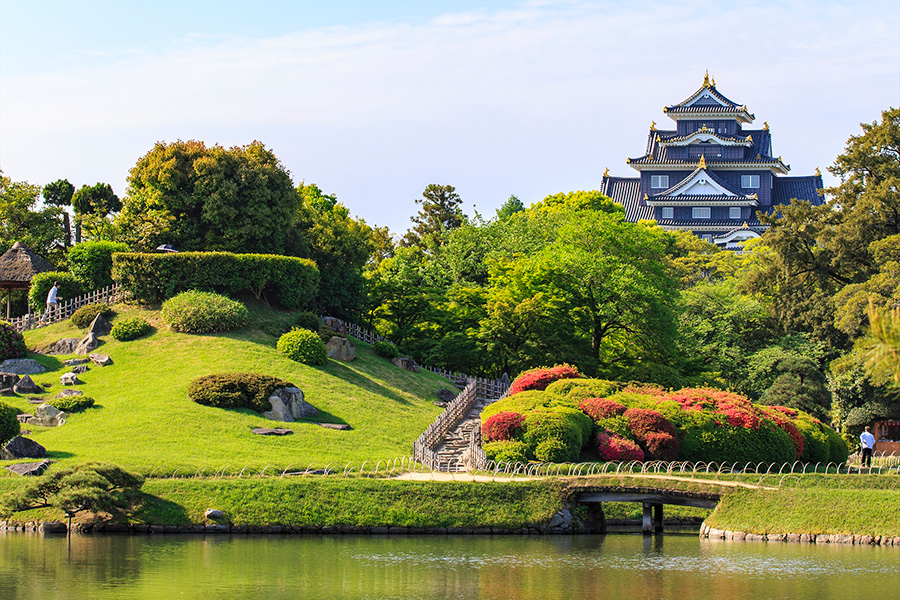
(707, 532)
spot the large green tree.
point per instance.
(196, 197)
(59, 193)
(439, 214)
(22, 219)
(92, 205)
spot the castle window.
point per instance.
(658, 182)
(749, 181)
(707, 237)
(668, 212)
(734, 212)
(700, 212)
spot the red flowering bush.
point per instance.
(612, 447)
(600, 408)
(12, 344)
(503, 427)
(644, 389)
(660, 446)
(741, 418)
(539, 379)
(777, 415)
(642, 421)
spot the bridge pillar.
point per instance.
(647, 525)
(658, 517)
(652, 518)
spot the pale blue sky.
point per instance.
(375, 100)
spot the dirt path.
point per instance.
(435, 476)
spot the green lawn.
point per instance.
(144, 421)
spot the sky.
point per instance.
(373, 101)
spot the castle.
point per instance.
(711, 174)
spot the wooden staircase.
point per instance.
(453, 452)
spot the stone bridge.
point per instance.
(651, 499)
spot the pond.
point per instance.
(439, 567)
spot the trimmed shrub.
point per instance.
(130, 328)
(155, 277)
(572, 392)
(235, 390)
(203, 312)
(91, 262)
(816, 447)
(508, 451)
(303, 346)
(660, 446)
(12, 344)
(386, 350)
(69, 288)
(577, 418)
(543, 426)
(654, 433)
(553, 450)
(539, 379)
(9, 424)
(617, 425)
(837, 447)
(503, 427)
(309, 320)
(73, 404)
(84, 316)
(522, 403)
(612, 447)
(600, 408)
(780, 418)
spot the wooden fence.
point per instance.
(424, 448)
(107, 295)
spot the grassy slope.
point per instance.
(145, 420)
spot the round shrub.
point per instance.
(508, 451)
(613, 447)
(84, 316)
(303, 346)
(837, 447)
(309, 320)
(780, 418)
(129, 328)
(660, 446)
(572, 392)
(386, 350)
(12, 344)
(539, 379)
(642, 421)
(522, 403)
(600, 408)
(503, 427)
(617, 425)
(9, 424)
(203, 312)
(816, 447)
(236, 390)
(553, 450)
(73, 404)
(543, 426)
(577, 418)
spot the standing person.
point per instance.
(868, 443)
(52, 301)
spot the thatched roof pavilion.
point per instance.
(17, 266)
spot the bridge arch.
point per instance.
(652, 501)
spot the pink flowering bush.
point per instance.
(539, 379)
(12, 344)
(600, 408)
(503, 427)
(612, 447)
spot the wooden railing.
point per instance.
(424, 448)
(107, 295)
(477, 458)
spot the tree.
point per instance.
(799, 385)
(59, 193)
(21, 220)
(439, 214)
(199, 198)
(512, 206)
(92, 205)
(883, 346)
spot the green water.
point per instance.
(680, 567)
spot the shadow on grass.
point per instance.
(156, 511)
(58, 454)
(352, 377)
(323, 416)
(51, 363)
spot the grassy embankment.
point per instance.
(144, 421)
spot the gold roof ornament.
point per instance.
(765, 125)
(745, 226)
(652, 125)
(627, 161)
(714, 81)
(606, 172)
(646, 197)
(750, 138)
(702, 163)
(758, 157)
(818, 172)
(703, 127)
(706, 79)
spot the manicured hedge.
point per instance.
(203, 312)
(130, 328)
(155, 277)
(507, 451)
(91, 262)
(12, 344)
(386, 350)
(503, 427)
(73, 404)
(539, 379)
(69, 288)
(9, 424)
(303, 346)
(84, 316)
(235, 390)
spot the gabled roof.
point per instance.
(708, 100)
(702, 177)
(627, 192)
(658, 151)
(803, 188)
(19, 264)
(705, 134)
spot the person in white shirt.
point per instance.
(52, 301)
(868, 443)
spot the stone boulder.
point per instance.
(21, 366)
(288, 405)
(447, 395)
(271, 431)
(69, 379)
(76, 361)
(68, 393)
(7, 382)
(29, 469)
(22, 447)
(88, 344)
(101, 360)
(63, 346)
(27, 386)
(100, 326)
(79, 369)
(47, 415)
(340, 348)
(334, 324)
(404, 362)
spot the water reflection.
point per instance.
(420, 567)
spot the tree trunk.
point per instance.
(67, 228)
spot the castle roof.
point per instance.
(708, 101)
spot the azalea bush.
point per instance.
(12, 344)
(503, 426)
(539, 379)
